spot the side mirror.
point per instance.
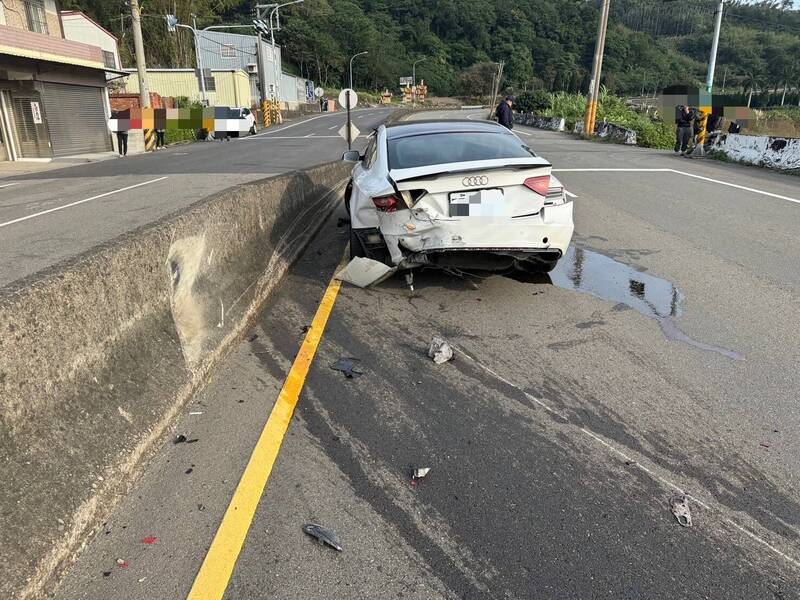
(352, 156)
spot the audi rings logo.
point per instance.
(474, 181)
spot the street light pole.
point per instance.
(272, 41)
(199, 61)
(172, 24)
(414, 78)
(597, 69)
(351, 66)
(712, 61)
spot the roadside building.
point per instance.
(78, 27)
(223, 50)
(53, 95)
(229, 87)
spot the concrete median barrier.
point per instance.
(98, 355)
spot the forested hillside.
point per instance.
(544, 43)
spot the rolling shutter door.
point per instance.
(76, 119)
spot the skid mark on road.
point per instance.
(651, 471)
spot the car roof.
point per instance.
(413, 128)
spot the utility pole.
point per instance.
(597, 70)
(712, 61)
(141, 68)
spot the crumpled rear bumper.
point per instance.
(410, 233)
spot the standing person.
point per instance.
(160, 139)
(683, 120)
(505, 116)
(123, 125)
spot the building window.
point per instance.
(108, 60)
(228, 51)
(211, 84)
(34, 12)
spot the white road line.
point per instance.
(263, 133)
(739, 187)
(685, 174)
(5, 185)
(309, 135)
(570, 194)
(304, 137)
(614, 170)
(522, 132)
(50, 210)
(332, 128)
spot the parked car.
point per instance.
(240, 121)
(456, 194)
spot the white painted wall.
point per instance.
(775, 153)
(78, 28)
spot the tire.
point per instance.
(253, 130)
(356, 249)
(347, 193)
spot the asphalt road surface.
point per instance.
(51, 216)
(661, 356)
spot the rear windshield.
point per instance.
(441, 148)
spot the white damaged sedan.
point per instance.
(456, 195)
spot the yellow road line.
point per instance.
(216, 570)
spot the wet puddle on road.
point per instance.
(590, 272)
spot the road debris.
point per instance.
(253, 337)
(179, 439)
(125, 414)
(364, 272)
(324, 535)
(418, 473)
(440, 351)
(122, 563)
(764, 445)
(679, 505)
(149, 540)
(188, 471)
(106, 573)
(347, 365)
(196, 412)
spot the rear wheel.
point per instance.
(348, 192)
(253, 130)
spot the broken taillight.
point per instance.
(385, 203)
(540, 184)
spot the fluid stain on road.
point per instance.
(593, 273)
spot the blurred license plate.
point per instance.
(478, 203)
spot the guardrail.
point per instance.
(100, 353)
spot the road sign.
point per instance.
(261, 26)
(354, 132)
(319, 92)
(343, 98)
(404, 81)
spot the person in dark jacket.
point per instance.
(505, 116)
(683, 120)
